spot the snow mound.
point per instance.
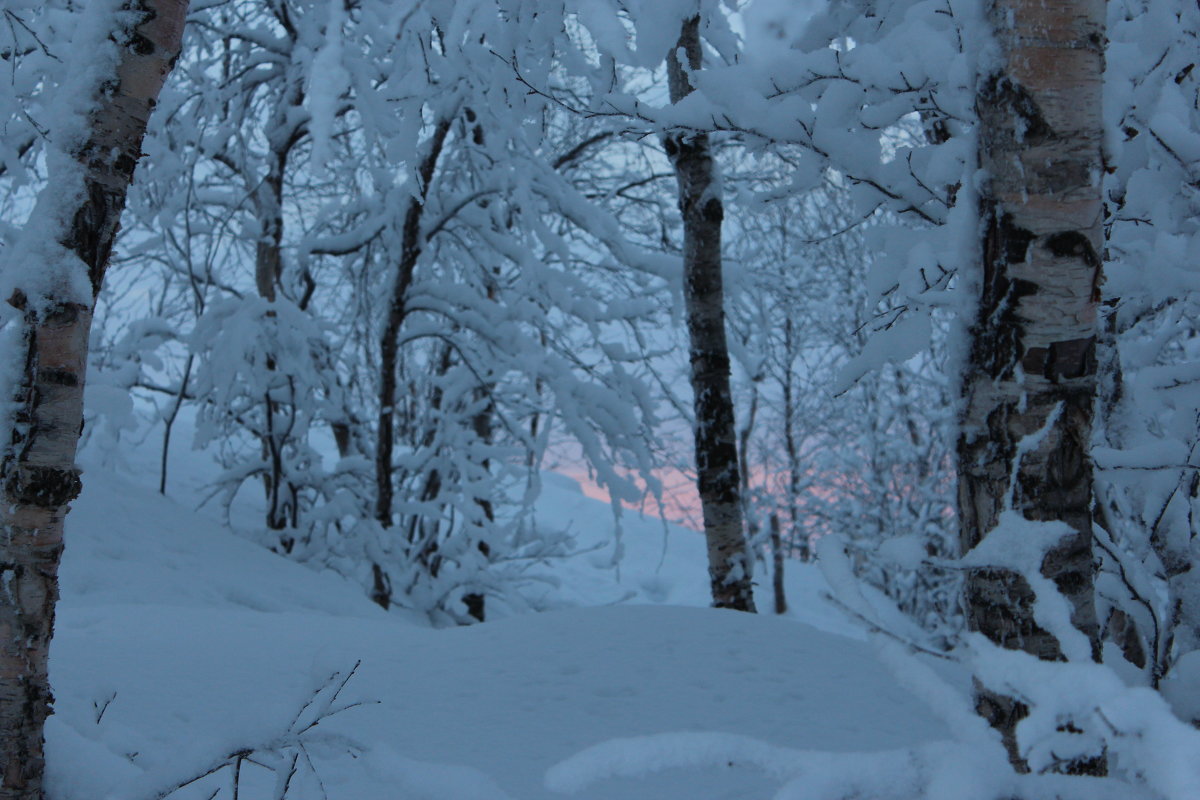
(179, 644)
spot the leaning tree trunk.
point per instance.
(729, 564)
(397, 311)
(1030, 382)
(83, 204)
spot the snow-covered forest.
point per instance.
(483, 399)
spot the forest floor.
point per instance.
(179, 644)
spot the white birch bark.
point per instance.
(1032, 363)
(729, 565)
(38, 473)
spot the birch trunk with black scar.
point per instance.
(39, 477)
(729, 564)
(1032, 363)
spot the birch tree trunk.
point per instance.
(38, 473)
(729, 565)
(1031, 376)
(777, 585)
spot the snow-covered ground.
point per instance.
(179, 644)
(183, 650)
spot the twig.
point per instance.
(42, 45)
(285, 782)
(286, 750)
(102, 707)
(874, 627)
(211, 770)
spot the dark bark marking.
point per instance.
(59, 377)
(141, 45)
(1000, 93)
(126, 163)
(41, 487)
(1072, 358)
(1000, 602)
(381, 592)
(1073, 244)
(62, 314)
(714, 211)
(1015, 241)
(94, 229)
(475, 606)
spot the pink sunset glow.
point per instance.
(680, 501)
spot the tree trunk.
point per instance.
(795, 469)
(389, 343)
(268, 269)
(283, 134)
(481, 424)
(743, 444)
(38, 470)
(729, 565)
(1031, 376)
(781, 606)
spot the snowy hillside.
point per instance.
(179, 644)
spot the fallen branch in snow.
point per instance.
(102, 706)
(875, 627)
(285, 754)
